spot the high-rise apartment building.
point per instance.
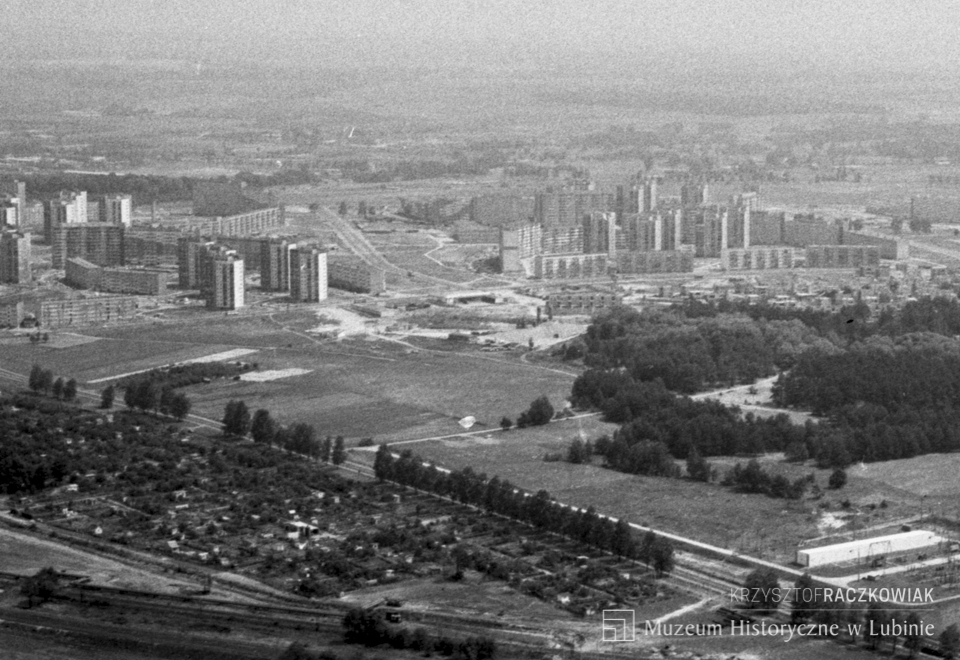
(9, 213)
(226, 282)
(99, 243)
(308, 274)
(275, 264)
(14, 258)
(116, 210)
(69, 208)
(649, 202)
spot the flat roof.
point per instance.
(918, 534)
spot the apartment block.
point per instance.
(586, 301)
(99, 243)
(308, 274)
(842, 256)
(11, 315)
(82, 274)
(275, 260)
(352, 274)
(90, 311)
(116, 210)
(15, 258)
(69, 208)
(189, 256)
(761, 258)
(226, 289)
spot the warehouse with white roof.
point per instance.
(863, 549)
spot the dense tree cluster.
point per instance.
(40, 379)
(754, 479)
(886, 399)
(539, 413)
(184, 375)
(850, 323)
(649, 412)
(33, 451)
(690, 354)
(539, 510)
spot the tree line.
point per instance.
(41, 380)
(540, 509)
(369, 627)
(300, 438)
(649, 412)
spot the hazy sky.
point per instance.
(885, 33)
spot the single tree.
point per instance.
(35, 381)
(339, 453)
(763, 591)
(236, 419)
(661, 556)
(804, 602)
(506, 423)
(106, 397)
(383, 463)
(539, 413)
(46, 380)
(58, 386)
(838, 479)
(325, 448)
(41, 587)
(343, 208)
(70, 390)
(698, 468)
(262, 428)
(622, 542)
(180, 406)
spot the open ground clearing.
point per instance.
(26, 554)
(354, 388)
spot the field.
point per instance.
(354, 388)
(753, 524)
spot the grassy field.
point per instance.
(354, 388)
(391, 394)
(753, 524)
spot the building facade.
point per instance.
(761, 257)
(586, 301)
(226, 289)
(116, 210)
(99, 243)
(82, 274)
(68, 209)
(15, 258)
(842, 256)
(351, 274)
(11, 315)
(275, 259)
(308, 274)
(89, 311)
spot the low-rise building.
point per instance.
(581, 301)
(86, 311)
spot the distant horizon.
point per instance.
(873, 36)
